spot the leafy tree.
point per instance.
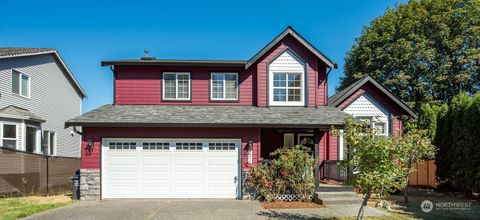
(373, 160)
(414, 146)
(423, 50)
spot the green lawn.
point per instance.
(19, 207)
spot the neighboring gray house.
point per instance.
(38, 93)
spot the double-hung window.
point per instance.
(287, 88)
(9, 136)
(49, 142)
(176, 86)
(20, 83)
(379, 126)
(224, 86)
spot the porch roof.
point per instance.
(209, 116)
(19, 113)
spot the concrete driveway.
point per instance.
(191, 209)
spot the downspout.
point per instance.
(114, 89)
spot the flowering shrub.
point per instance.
(291, 172)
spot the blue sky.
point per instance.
(87, 32)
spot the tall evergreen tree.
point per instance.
(422, 51)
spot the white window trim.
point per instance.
(286, 103)
(176, 86)
(299, 137)
(38, 137)
(10, 139)
(48, 142)
(224, 89)
(20, 84)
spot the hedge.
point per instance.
(455, 130)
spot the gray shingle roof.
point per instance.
(18, 51)
(210, 116)
(17, 112)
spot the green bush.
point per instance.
(290, 172)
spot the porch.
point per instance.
(321, 143)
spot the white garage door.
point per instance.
(170, 168)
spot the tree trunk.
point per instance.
(405, 191)
(364, 204)
(407, 183)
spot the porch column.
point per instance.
(316, 140)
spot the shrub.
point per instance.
(291, 172)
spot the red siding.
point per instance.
(332, 147)
(91, 160)
(143, 85)
(316, 83)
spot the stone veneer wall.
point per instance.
(90, 184)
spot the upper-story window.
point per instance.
(379, 126)
(224, 86)
(176, 86)
(20, 83)
(287, 80)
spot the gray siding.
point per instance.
(52, 96)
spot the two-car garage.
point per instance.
(170, 168)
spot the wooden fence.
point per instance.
(24, 173)
(425, 174)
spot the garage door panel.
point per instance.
(189, 190)
(190, 176)
(156, 159)
(122, 190)
(226, 176)
(159, 171)
(122, 160)
(156, 175)
(219, 160)
(221, 190)
(122, 175)
(181, 159)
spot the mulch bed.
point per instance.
(289, 205)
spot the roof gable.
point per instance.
(289, 31)
(343, 95)
(12, 52)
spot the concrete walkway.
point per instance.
(192, 209)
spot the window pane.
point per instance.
(15, 82)
(294, 95)
(45, 137)
(279, 80)
(231, 86)
(31, 139)
(279, 95)
(10, 143)
(25, 85)
(217, 86)
(183, 86)
(9, 131)
(380, 127)
(51, 143)
(293, 80)
(169, 87)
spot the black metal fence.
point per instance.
(332, 171)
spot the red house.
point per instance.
(189, 128)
